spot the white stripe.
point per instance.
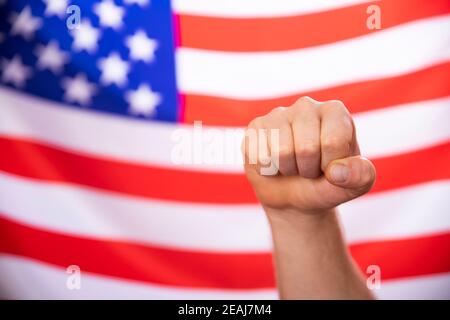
(403, 128)
(257, 8)
(102, 135)
(407, 212)
(26, 279)
(385, 53)
(429, 287)
(383, 132)
(243, 228)
(74, 210)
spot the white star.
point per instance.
(56, 8)
(143, 100)
(141, 47)
(114, 69)
(78, 89)
(50, 57)
(110, 15)
(85, 37)
(24, 23)
(15, 72)
(142, 3)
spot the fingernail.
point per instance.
(339, 173)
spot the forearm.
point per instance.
(311, 258)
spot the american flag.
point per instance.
(87, 113)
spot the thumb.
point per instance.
(356, 175)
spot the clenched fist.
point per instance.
(315, 155)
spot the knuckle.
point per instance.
(335, 105)
(256, 122)
(303, 103)
(278, 111)
(305, 100)
(346, 123)
(278, 115)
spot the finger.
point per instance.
(306, 131)
(251, 143)
(355, 175)
(336, 134)
(257, 153)
(281, 142)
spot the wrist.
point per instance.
(278, 218)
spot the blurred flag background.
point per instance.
(87, 113)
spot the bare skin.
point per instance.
(319, 168)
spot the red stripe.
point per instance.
(412, 168)
(358, 97)
(397, 259)
(295, 32)
(138, 262)
(406, 257)
(38, 161)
